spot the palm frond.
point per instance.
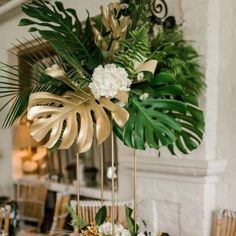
(63, 51)
(144, 13)
(21, 98)
(17, 84)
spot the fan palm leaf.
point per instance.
(17, 85)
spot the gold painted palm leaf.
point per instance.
(59, 120)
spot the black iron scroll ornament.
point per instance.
(158, 12)
(160, 16)
(159, 9)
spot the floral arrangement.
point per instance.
(126, 70)
(103, 225)
(111, 72)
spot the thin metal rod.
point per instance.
(116, 201)
(78, 183)
(102, 173)
(135, 188)
(113, 184)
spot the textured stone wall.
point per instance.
(183, 194)
(174, 195)
(226, 125)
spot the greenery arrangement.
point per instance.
(111, 66)
(111, 72)
(103, 226)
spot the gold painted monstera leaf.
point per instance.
(59, 120)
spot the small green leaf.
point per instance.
(101, 216)
(129, 219)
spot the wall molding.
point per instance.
(177, 166)
(11, 5)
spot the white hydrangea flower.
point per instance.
(106, 229)
(107, 81)
(140, 76)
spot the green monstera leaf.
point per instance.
(165, 116)
(55, 22)
(192, 130)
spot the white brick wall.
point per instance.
(226, 126)
(175, 195)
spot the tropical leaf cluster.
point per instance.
(167, 117)
(134, 50)
(180, 58)
(139, 11)
(163, 105)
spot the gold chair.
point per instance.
(59, 218)
(31, 201)
(225, 223)
(5, 220)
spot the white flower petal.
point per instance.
(107, 81)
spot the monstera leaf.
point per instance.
(153, 126)
(55, 22)
(60, 119)
(167, 117)
(192, 124)
(54, 17)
